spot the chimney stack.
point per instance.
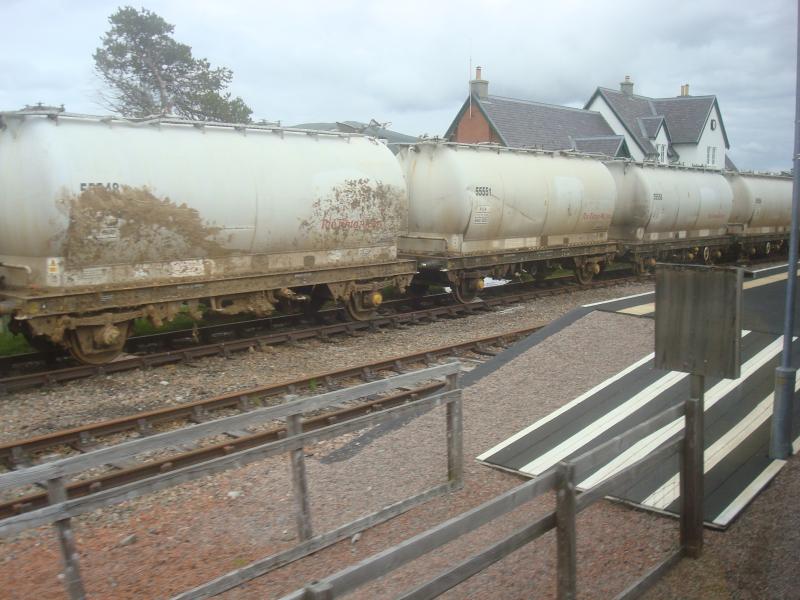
(685, 89)
(626, 87)
(478, 86)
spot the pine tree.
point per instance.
(148, 73)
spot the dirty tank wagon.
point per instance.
(676, 213)
(486, 210)
(105, 220)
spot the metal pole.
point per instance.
(57, 493)
(780, 444)
(566, 538)
(455, 435)
(294, 427)
(692, 471)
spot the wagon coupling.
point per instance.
(7, 307)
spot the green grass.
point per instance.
(13, 344)
(182, 321)
(16, 344)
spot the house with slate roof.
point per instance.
(684, 129)
(485, 119)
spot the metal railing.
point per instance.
(61, 510)
(562, 479)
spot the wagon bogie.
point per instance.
(111, 220)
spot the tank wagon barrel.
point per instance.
(678, 213)
(485, 210)
(762, 211)
(105, 220)
(477, 210)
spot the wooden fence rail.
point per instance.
(562, 479)
(60, 511)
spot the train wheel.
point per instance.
(465, 290)
(362, 306)
(585, 273)
(98, 344)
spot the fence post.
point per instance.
(318, 591)
(455, 435)
(692, 472)
(56, 493)
(566, 542)
(299, 481)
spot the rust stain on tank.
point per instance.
(132, 225)
(355, 210)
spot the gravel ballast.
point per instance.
(43, 410)
(170, 541)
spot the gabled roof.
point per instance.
(526, 124)
(629, 108)
(651, 125)
(729, 164)
(608, 145)
(683, 116)
(687, 116)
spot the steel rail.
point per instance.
(225, 348)
(17, 452)
(219, 332)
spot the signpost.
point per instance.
(698, 331)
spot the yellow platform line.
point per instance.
(645, 309)
(639, 310)
(765, 280)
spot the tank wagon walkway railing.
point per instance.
(61, 510)
(562, 479)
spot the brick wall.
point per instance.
(474, 129)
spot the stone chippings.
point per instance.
(42, 410)
(170, 541)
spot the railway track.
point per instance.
(276, 334)
(59, 444)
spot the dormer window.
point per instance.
(713, 124)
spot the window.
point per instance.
(662, 153)
(713, 124)
(711, 155)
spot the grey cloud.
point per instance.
(407, 62)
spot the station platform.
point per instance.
(737, 414)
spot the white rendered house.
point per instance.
(684, 129)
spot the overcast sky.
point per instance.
(407, 61)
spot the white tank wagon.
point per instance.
(762, 211)
(104, 220)
(478, 210)
(669, 212)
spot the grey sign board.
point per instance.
(698, 319)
